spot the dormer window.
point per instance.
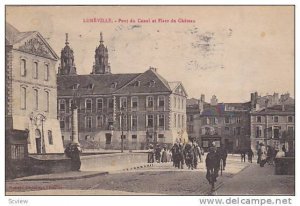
(90, 86)
(137, 84)
(114, 85)
(75, 86)
(152, 83)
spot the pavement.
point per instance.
(82, 174)
(256, 180)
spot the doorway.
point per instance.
(38, 141)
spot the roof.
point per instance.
(225, 109)
(13, 36)
(103, 84)
(277, 109)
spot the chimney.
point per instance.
(202, 99)
(153, 69)
(276, 98)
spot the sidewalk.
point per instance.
(82, 174)
(256, 180)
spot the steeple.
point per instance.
(101, 59)
(67, 65)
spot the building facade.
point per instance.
(226, 124)
(31, 95)
(143, 106)
(274, 126)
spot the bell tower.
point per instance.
(101, 65)
(67, 65)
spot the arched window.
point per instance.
(46, 72)
(35, 70)
(88, 105)
(36, 98)
(23, 97)
(23, 67)
(47, 101)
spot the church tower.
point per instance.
(101, 65)
(67, 65)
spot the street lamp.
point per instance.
(122, 135)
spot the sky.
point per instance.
(227, 51)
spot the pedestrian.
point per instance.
(263, 158)
(270, 155)
(223, 155)
(150, 154)
(250, 155)
(212, 163)
(75, 157)
(164, 156)
(197, 154)
(189, 155)
(259, 153)
(157, 154)
(243, 155)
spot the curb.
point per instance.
(65, 178)
(138, 167)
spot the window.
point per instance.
(99, 121)
(123, 122)
(149, 101)
(258, 119)
(207, 120)
(46, 72)
(134, 102)
(110, 103)
(160, 136)
(62, 105)
(182, 104)
(191, 118)
(227, 129)
(88, 105)
(150, 120)
(161, 121)
(88, 122)
(35, 70)
(227, 120)
(123, 102)
(290, 130)
(23, 67)
(178, 120)
(23, 97)
(175, 120)
(182, 121)
(36, 98)
(161, 101)
(207, 131)
(70, 103)
(238, 120)
(290, 119)
(276, 132)
(50, 138)
(47, 101)
(275, 118)
(62, 123)
(133, 122)
(215, 120)
(234, 131)
(134, 137)
(258, 132)
(238, 130)
(178, 102)
(99, 104)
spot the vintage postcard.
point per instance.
(150, 100)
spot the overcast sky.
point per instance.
(227, 51)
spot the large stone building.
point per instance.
(31, 95)
(273, 121)
(223, 123)
(143, 106)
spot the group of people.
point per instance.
(247, 152)
(267, 154)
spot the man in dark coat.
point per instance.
(212, 164)
(223, 155)
(73, 151)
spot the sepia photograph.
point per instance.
(156, 100)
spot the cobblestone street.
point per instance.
(164, 179)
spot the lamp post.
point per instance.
(122, 134)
